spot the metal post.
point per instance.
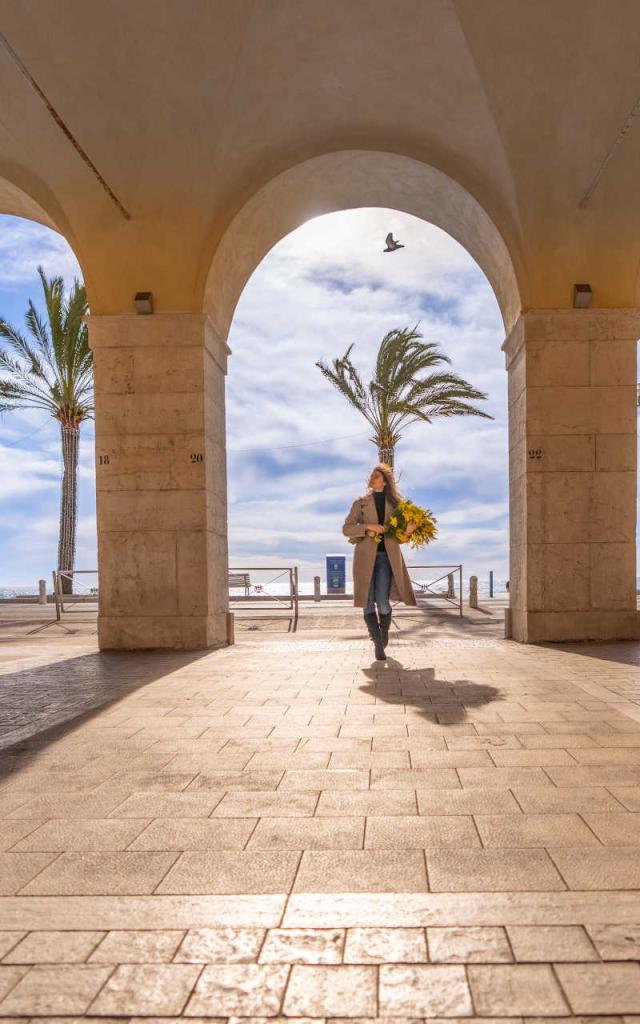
(231, 639)
(316, 588)
(473, 591)
(42, 591)
(295, 597)
(507, 624)
(491, 583)
(56, 596)
(460, 587)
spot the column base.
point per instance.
(566, 627)
(162, 632)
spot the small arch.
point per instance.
(31, 200)
(16, 203)
(353, 179)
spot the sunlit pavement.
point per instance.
(286, 828)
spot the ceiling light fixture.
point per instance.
(143, 302)
(582, 295)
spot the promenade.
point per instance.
(287, 829)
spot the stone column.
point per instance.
(572, 474)
(161, 481)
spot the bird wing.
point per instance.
(389, 239)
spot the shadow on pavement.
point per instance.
(441, 701)
(623, 652)
(41, 704)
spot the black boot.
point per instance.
(385, 621)
(374, 632)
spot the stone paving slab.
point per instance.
(285, 830)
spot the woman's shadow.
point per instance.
(440, 701)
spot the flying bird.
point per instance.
(391, 244)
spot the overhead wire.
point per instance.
(25, 437)
(269, 448)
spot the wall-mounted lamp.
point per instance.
(582, 295)
(143, 302)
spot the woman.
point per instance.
(379, 572)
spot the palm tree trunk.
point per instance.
(70, 436)
(385, 454)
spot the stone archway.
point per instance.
(572, 473)
(41, 396)
(348, 180)
(160, 424)
(351, 179)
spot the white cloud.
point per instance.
(24, 245)
(33, 544)
(30, 477)
(24, 472)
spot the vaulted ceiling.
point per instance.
(188, 109)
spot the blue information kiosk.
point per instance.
(336, 574)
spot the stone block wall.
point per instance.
(161, 480)
(572, 474)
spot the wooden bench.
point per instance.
(240, 579)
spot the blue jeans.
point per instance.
(380, 585)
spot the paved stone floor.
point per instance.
(284, 829)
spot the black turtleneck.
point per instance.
(379, 498)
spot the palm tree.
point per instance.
(399, 393)
(53, 370)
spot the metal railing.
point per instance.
(256, 594)
(425, 588)
(64, 602)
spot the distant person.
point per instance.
(379, 572)
(507, 585)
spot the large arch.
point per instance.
(160, 426)
(351, 179)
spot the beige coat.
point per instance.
(364, 511)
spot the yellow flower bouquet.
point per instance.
(407, 512)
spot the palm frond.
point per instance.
(77, 350)
(54, 370)
(344, 376)
(408, 385)
(442, 384)
(53, 291)
(38, 329)
(22, 376)
(17, 394)
(21, 346)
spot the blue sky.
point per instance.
(298, 455)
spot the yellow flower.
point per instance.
(407, 512)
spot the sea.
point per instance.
(276, 588)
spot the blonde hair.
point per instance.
(391, 487)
